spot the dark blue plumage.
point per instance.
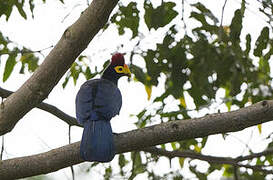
(97, 101)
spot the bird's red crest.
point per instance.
(117, 59)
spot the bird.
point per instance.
(97, 102)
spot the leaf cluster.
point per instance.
(6, 7)
(198, 65)
(16, 55)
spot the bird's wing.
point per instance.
(108, 100)
(97, 99)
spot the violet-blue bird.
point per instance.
(97, 101)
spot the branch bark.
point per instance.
(142, 138)
(74, 40)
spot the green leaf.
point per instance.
(6, 8)
(162, 97)
(199, 17)
(154, 66)
(81, 67)
(65, 81)
(173, 144)
(183, 102)
(122, 162)
(127, 17)
(11, 61)
(31, 6)
(20, 8)
(160, 16)
(197, 96)
(181, 162)
(228, 104)
(205, 11)
(139, 74)
(106, 63)
(268, 54)
(261, 42)
(108, 173)
(176, 63)
(243, 6)
(148, 90)
(141, 114)
(30, 60)
(75, 70)
(236, 26)
(204, 141)
(138, 166)
(88, 74)
(259, 126)
(3, 40)
(248, 44)
(264, 65)
(199, 175)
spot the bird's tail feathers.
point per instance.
(97, 141)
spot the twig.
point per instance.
(68, 14)
(69, 141)
(37, 51)
(183, 14)
(69, 134)
(189, 154)
(58, 113)
(2, 149)
(24, 50)
(255, 155)
(222, 15)
(48, 108)
(235, 170)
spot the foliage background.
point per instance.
(189, 61)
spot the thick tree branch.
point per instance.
(142, 138)
(74, 40)
(48, 108)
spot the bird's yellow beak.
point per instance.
(126, 70)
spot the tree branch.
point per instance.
(255, 155)
(142, 138)
(48, 108)
(213, 159)
(191, 155)
(170, 154)
(74, 40)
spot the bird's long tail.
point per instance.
(97, 141)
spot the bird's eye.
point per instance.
(119, 69)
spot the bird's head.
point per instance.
(117, 68)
